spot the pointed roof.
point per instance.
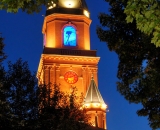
(93, 95)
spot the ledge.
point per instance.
(73, 52)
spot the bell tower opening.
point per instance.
(69, 36)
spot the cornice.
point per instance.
(72, 59)
(56, 16)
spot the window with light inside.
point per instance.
(69, 36)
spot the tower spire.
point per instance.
(95, 105)
(93, 95)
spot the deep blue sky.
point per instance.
(23, 38)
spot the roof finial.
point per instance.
(92, 76)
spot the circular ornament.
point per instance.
(71, 77)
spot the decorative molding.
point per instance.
(47, 67)
(66, 58)
(84, 68)
(52, 68)
(57, 68)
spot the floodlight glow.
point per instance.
(104, 106)
(69, 3)
(86, 13)
(52, 6)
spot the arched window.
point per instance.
(69, 36)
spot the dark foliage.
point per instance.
(61, 111)
(29, 6)
(25, 106)
(139, 61)
(2, 54)
(21, 94)
(5, 112)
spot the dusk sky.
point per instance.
(23, 38)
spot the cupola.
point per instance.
(78, 7)
(95, 106)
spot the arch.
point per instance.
(69, 36)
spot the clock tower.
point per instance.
(67, 59)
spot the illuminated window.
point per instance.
(70, 37)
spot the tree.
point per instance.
(4, 106)
(147, 16)
(22, 94)
(18, 99)
(139, 61)
(24, 105)
(5, 112)
(29, 6)
(61, 111)
(2, 54)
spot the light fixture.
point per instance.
(86, 13)
(104, 106)
(52, 6)
(69, 3)
(87, 105)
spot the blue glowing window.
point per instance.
(69, 36)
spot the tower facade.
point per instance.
(67, 59)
